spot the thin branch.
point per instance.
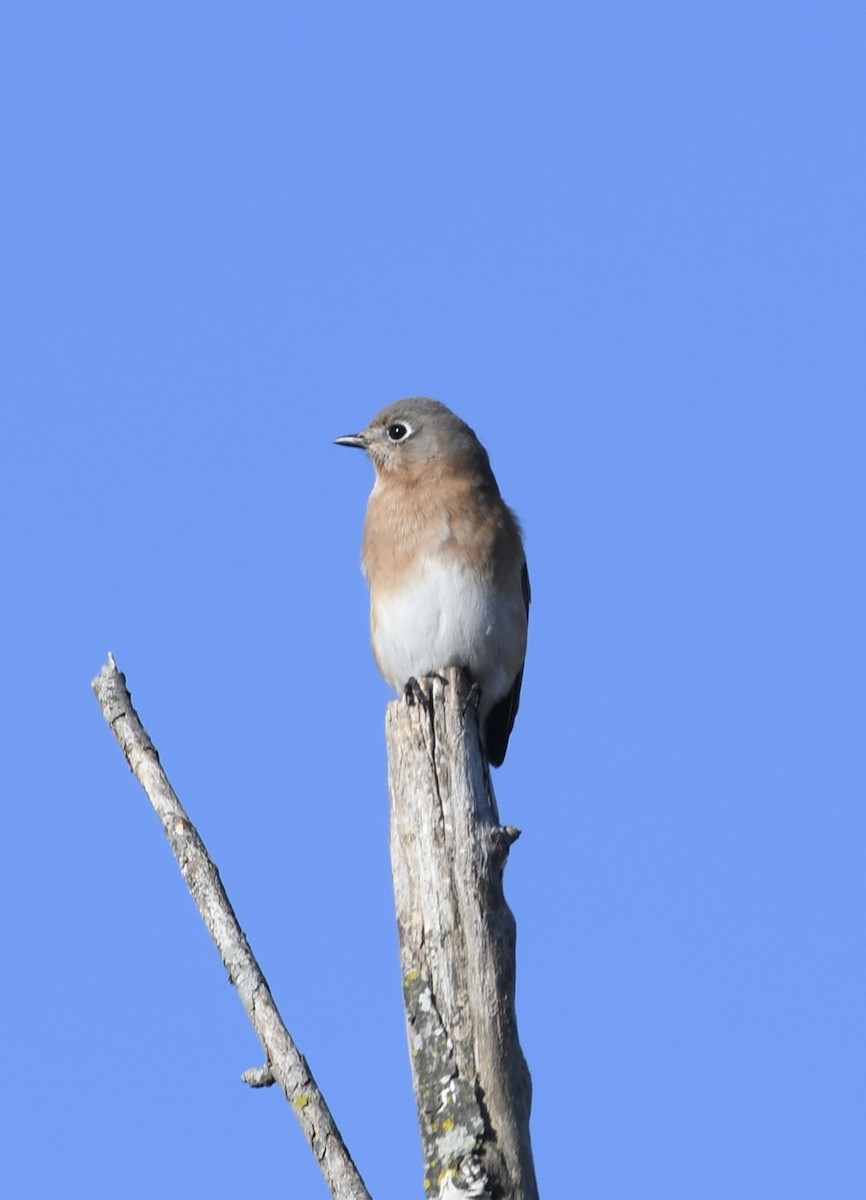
(285, 1064)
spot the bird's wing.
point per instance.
(500, 719)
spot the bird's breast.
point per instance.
(443, 613)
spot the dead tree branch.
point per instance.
(457, 948)
(285, 1064)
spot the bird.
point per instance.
(444, 560)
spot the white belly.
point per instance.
(447, 617)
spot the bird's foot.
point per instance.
(413, 693)
(416, 693)
(473, 696)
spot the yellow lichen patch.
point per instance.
(447, 1124)
(410, 978)
(301, 1100)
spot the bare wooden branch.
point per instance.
(285, 1064)
(457, 948)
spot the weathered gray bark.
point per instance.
(457, 948)
(285, 1064)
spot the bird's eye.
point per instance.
(398, 432)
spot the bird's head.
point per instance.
(416, 434)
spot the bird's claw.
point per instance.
(413, 693)
(473, 696)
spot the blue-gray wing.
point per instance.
(500, 719)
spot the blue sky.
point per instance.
(626, 243)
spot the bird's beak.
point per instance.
(352, 439)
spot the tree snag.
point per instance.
(457, 947)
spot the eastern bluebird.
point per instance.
(444, 560)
